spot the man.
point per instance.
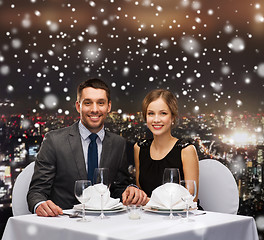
(63, 156)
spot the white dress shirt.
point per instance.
(84, 132)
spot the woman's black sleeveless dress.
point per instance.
(151, 171)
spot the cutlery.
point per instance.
(199, 213)
(72, 215)
(194, 214)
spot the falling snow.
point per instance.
(261, 70)
(208, 54)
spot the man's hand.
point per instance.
(48, 209)
(135, 196)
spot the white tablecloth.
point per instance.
(211, 226)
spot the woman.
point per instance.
(160, 111)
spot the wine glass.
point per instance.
(82, 195)
(101, 184)
(171, 175)
(190, 185)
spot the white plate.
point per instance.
(118, 208)
(122, 209)
(159, 210)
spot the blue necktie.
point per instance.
(92, 156)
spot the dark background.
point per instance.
(210, 53)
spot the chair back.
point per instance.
(218, 191)
(20, 190)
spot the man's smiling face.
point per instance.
(93, 107)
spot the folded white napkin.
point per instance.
(171, 194)
(94, 194)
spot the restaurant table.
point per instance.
(209, 226)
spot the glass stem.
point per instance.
(171, 215)
(187, 213)
(83, 211)
(102, 214)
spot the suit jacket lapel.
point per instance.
(77, 151)
(107, 145)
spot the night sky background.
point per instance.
(209, 53)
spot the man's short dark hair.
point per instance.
(93, 83)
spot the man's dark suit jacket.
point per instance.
(60, 162)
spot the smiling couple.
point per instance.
(63, 156)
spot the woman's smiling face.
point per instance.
(159, 117)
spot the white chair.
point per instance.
(20, 189)
(218, 191)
